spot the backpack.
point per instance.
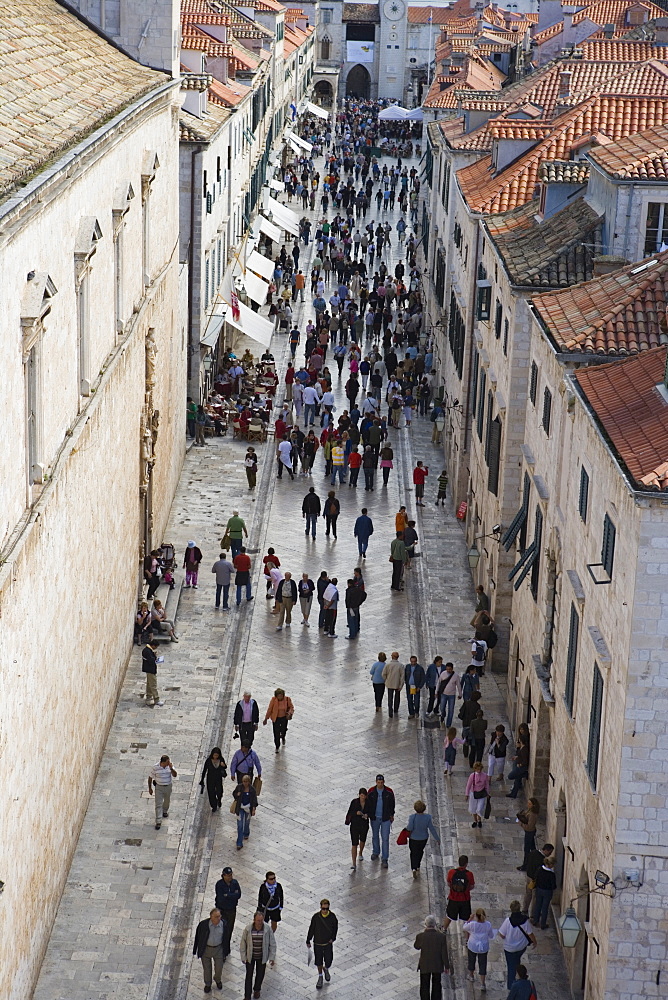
(492, 639)
(479, 655)
(459, 881)
(533, 995)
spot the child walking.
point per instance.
(442, 488)
(450, 744)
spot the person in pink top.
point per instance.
(477, 792)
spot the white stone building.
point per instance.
(93, 435)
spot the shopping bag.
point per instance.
(402, 839)
(257, 784)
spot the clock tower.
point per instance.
(392, 49)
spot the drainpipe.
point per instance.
(193, 349)
(625, 249)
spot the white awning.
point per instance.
(293, 145)
(256, 288)
(261, 265)
(393, 113)
(284, 216)
(416, 115)
(313, 109)
(276, 185)
(214, 326)
(269, 229)
(293, 137)
(252, 324)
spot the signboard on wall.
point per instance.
(360, 52)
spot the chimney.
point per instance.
(607, 264)
(565, 83)
(661, 31)
(609, 29)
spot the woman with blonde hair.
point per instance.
(527, 820)
(479, 932)
(419, 826)
(477, 792)
(159, 616)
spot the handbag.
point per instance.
(233, 806)
(226, 542)
(488, 808)
(402, 839)
(257, 784)
(480, 793)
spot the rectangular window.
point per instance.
(474, 383)
(529, 561)
(481, 410)
(595, 717)
(520, 518)
(326, 15)
(498, 320)
(571, 660)
(505, 336)
(490, 407)
(83, 333)
(118, 280)
(440, 276)
(547, 410)
(538, 541)
(583, 498)
(494, 450)
(608, 546)
(445, 198)
(483, 302)
(456, 334)
(220, 247)
(655, 227)
(33, 404)
(206, 282)
(533, 382)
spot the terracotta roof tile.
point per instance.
(620, 50)
(618, 314)
(552, 254)
(59, 81)
(420, 15)
(602, 13)
(229, 94)
(564, 171)
(193, 37)
(614, 116)
(632, 413)
(643, 156)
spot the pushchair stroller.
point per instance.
(168, 564)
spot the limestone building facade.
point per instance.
(92, 440)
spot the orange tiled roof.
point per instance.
(614, 116)
(632, 413)
(620, 50)
(618, 314)
(420, 15)
(229, 94)
(604, 12)
(193, 37)
(643, 155)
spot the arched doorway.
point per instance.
(323, 93)
(358, 83)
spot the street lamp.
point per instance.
(570, 928)
(473, 556)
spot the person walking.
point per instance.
(191, 561)
(280, 710)
(415, 681)
(354, 599)
(363, 531)
(496, 755)
(330, 604)
(213, 772)
(420, 473)
(477, 793)
(321, 586)
(149, 666)
(399, 559)
(246, 720)
(386, 462)
(470, 681)
(258, 949)
(523, 988)
(378, 680)
(449, 688)
(305, 588)
(160, 779)
(354, 465)
(546, 883)
(236, 529)
(528, 819)
(434, 960)
(379, 807)
(331, 511)
(286, 597)
(270, 561)
(228, 894)
(534, 863)
(223, 570)
(420, 824)
(515, 932)
(432, 674)
(358, 821)
(210, 947)
(442, 483)
(322, 931)
(460, 882)
(242, 565)
(479, 932)
(477, 730)
(284, 458)
(369, 462)
(311, 508)
(270, 900)
(245, 804)
(250, 465)
(338, 464)
(393, 678)
(244, 761)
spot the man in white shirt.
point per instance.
(370, 405)
(311, 399)
(160, 778)
(284, 456)
(330, 603)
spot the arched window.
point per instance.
(325, 47)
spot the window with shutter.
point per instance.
(505, 336)
(583, 498)
(608, 546)
(538, 541)
(494, 454)
(595, 716)
(474, 383)
(529, 558)
(573, 636)
(498, 320)
(547, 410)
(533, 382)
(490, 407)
(520, 518)
(481, 408)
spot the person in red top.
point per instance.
(289, 380)
(281, 429)
(420, 473)
(461, 881)
(242, 565)
(272, 558)
(354, 464)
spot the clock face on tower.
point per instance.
(394, 9)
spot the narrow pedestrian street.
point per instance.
(134, 894)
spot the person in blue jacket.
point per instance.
(377, 680)
(363, 531)
(431, 681)
(228, 894)
(415, 680)
(419, 826)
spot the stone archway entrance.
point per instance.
(324, 93)
(358, 83)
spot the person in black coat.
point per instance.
(228, 894)
(215, 769)
(211, 948)
(546, 883)
(358, 822)
(244, 726)
(270, 899)
(311, 508)
(330, 512)
(149, 665)
(380, 827)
